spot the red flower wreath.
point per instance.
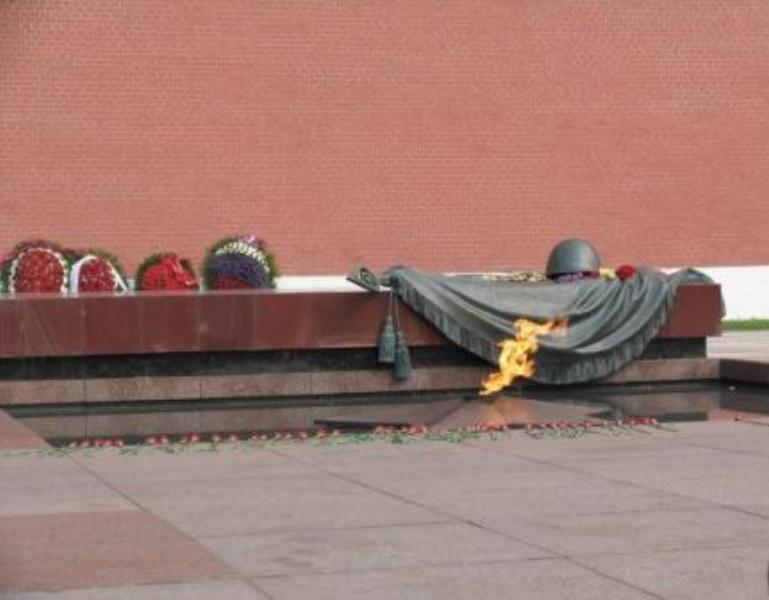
(38, 270)
(167, 272)
(97, 275)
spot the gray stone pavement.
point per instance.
(674, 514)
(752, 345)
(666, 514)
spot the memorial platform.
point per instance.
(172, 362)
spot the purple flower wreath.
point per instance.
(239, 263)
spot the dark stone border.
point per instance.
(179, 364)
(75, 418)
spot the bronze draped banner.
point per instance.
(610, 322)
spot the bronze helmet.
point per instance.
(572, 256)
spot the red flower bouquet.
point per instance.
(625, 272)
(166, 272)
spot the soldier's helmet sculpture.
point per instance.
(573, 259)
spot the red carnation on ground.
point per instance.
(625, 272)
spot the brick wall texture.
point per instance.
(446, 134)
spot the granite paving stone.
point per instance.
(758, 507)
(90, 496)
(196, 464)
(85, 528)
(635, 531)
(549, 578)
(50, 568)
(675, 469)
(254, 504)
(523, 502)
(673, 515)
(750, 442)
(51, 552)
(705, 574)
(451, 475)
(366, 548)
(737, 487)
(40, 485)
(210, 590)
(375, 453)
(28, 469)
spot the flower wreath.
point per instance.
(97, 271)
(36, 266)
(239, 263)
(166, 272)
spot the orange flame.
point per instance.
(516, 358)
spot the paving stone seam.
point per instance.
(616, 579)
(746, 511)
(629, 511)
(705, 446)
(711, 504)
(631, 484)
(149, 585)
(383, 569)
(281, 530)
(562, 559)
(257, 588)
(548, 551)
(241, 576)
(680, 550)
(420, 505)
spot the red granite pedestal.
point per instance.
(177, 362)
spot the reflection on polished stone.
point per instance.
(515, 412)
(715, 402)
(719, 403)
(458, 413)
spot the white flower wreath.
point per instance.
(74, 274)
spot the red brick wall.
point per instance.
(445, 134)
